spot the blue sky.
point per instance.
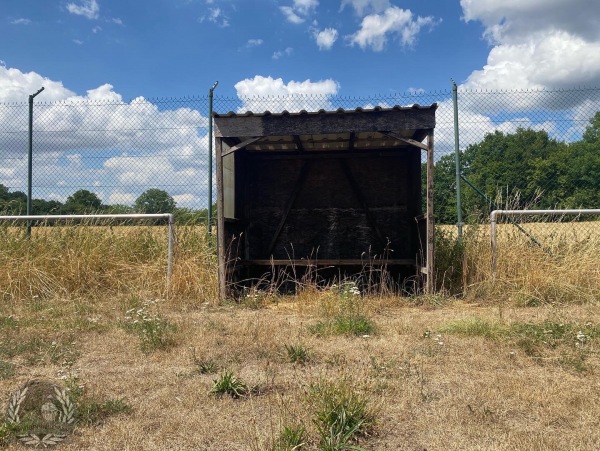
(180, 47)
(137, 52)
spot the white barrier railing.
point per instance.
(141, 216)
(497, 213)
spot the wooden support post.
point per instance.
(430, 286)
(220, 221)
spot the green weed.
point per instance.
(203, 366)
(291, 438)
(342, 416)
(344, 324)
(297, 353)
(153, 331)
(229, 384)
(7, 370)
(94, 413)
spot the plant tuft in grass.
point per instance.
(297, 353)
(229, 384)
(291, 438)
(342, 416)
(7, 370)
(203, 366)
(153, 331)
(94, 413)
(344, 324)
(475, 327)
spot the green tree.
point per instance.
(506, 167)
(155, 201)
(82, 202)
(46, 207)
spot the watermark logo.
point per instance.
(42, 412)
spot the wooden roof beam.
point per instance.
(241, 145)
(412, 142)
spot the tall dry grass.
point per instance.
(562, 267)
(95, 260)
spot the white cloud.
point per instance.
(117, 21)
(89, 9)
(326, 38)
(305, 6)
(122, 198)
(299, 11)
(21, 21)
(97, 139)
(375, 28)
(78, 41)
(537, 43)
(261, 94)
(510, 21)
(16, 86)
(291, 15)
(362, 6)
(96, 29)
(216, 16)
(254, 42)
(279, 53)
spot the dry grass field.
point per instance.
(510, 363)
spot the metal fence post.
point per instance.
(29, 159)
(210, 151)
(459, 222)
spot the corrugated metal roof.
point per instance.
(415, 106)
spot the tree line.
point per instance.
(524, 169)
(85, 202)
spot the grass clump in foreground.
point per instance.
(291, 438)
(229, 384)
(344, 311)
(297, 353)
(153, 331)
(342, 415)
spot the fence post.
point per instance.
(210, 151)
(29, 159)
(459, 222)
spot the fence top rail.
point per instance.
(496, 213)
(168, 216)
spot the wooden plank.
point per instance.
(363, 202)
(240, 145)
(430, 264)
(220, 223)
(412, 142)
(351, 141)
(271, 155)
(290, 203)
(325, 123)
(329, 262)
(298, 143)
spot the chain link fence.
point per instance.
(518, 149)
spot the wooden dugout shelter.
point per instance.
(330, 189)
